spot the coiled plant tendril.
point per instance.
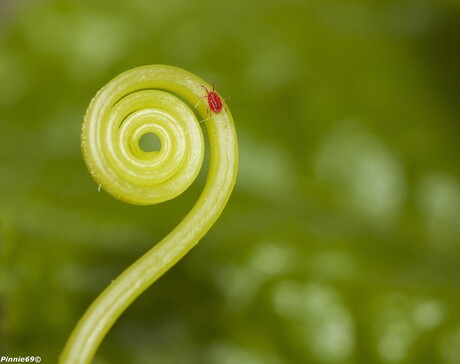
(150, 99)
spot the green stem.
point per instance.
(143, 100)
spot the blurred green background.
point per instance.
(341, 242)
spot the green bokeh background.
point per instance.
(341, 242)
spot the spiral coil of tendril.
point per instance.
(154, 99)
(116, 120)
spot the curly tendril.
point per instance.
(156, 99)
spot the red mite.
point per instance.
(214, 101)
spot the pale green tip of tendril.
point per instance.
(156, 99)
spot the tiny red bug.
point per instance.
(214, 101)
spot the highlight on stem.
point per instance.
(156, 99)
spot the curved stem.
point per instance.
(105, 310)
